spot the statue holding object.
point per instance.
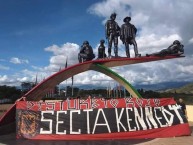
(112, 31)
(86, 52)
(127, 35)
(175, 49)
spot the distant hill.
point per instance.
(186, 89)
(161, 87)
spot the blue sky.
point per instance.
(36, 37)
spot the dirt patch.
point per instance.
(4, 108)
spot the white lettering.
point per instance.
(88, 120)
(74, 132)
(101, 124)
(46, 120)
(128, 120)
(159, 118)
(175, 108)
(60, 122)
(139, 118)
(169, 121)
(149, 117)
(118, 119)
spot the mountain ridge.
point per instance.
(186, 89)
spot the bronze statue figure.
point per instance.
(174, 49)
(112, 31)
(86, 52)
(101, 49)
(127, 35)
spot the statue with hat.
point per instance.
(101, 49)
(127, 35)
(112, 31)
(174, 49)
(86, 52)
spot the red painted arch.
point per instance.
(43, 87)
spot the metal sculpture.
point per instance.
(112, 31)
(127, 35)
(86, 52)
(174, 49)
(101, 49)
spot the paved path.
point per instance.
(185, 140)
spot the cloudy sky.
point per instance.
(36, 38)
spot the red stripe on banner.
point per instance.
(94, 103)
(172, 131)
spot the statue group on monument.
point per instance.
(127, 33)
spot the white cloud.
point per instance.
(58, 58)
(157, 72)
(16, 60)
(174, 70)
(3, 78)
(67, 51)
(160, 17)
(4, 67)
(7, 80)
(92, 77)
(191, 41)
(24, 79)
(153, 43)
